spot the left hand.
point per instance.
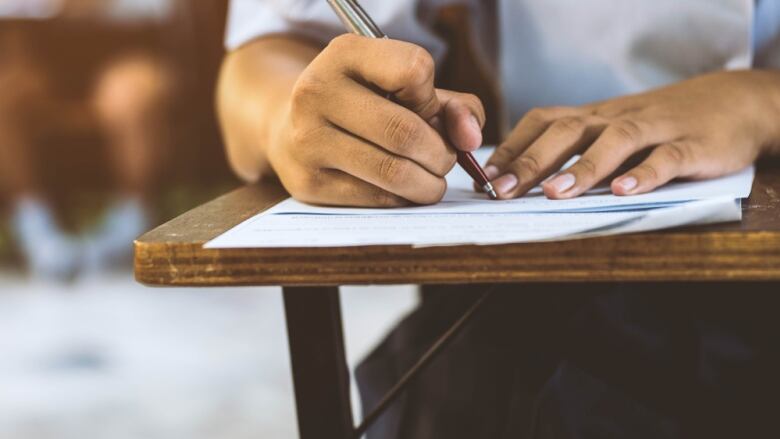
(701, 128)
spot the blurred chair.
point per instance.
(74, 173)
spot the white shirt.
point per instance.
(557, 52)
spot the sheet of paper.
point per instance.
(423, 230)
(718, 210)
(461, 198)
(466, 217)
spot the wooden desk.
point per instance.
(172, 255)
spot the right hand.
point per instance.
(345, 144)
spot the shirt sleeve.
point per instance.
(314, 19)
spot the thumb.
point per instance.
(464, 118)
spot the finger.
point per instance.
(617, 143)
(398, 130)
(464, 118)
(336, 188)
(562, 139)
(403, 69)
(530, 127)
(372, 164)
(665, 163)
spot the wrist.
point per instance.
(255, 87)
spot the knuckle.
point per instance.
(560, 109)
(402, 133)
(428, 107)
(569, 125)
(648, 170)
(445, 163)
(297, 138)
(305, 186)
(528, 163)
(434, 194)
(421, 67)
(383, 198)
(449, 164)
(307, 89)
(472, 100)
(439, 195)
(587, 166)
(538, 115)
(393, 170)
(301, 138)
(342, 42)
(627, 131)
(676, 152)
(503, 154)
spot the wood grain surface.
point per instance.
(173, 254)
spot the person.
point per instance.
(128, 100)
(646, 91)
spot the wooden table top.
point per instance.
(173, 254)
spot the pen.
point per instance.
(357, 21)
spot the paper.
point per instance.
(461, 198)
(466, 217)
(425, 230)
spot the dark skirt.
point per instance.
(586, 361)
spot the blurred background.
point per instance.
(106, 126)
(107, 129)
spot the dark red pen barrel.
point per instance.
(472, 167)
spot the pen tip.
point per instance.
(488, 188)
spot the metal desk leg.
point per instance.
(319, 365)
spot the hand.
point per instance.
(702, 128)
(344, 143)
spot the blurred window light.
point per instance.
(118, 10)
(140, 9)
(34, 9)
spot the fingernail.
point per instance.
(491, 172)
(505, 183)
(563, 182)
(628, 183)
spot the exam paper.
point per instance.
(465, 217)
(461, 198)
(426, 230)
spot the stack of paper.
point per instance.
(467, 217)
